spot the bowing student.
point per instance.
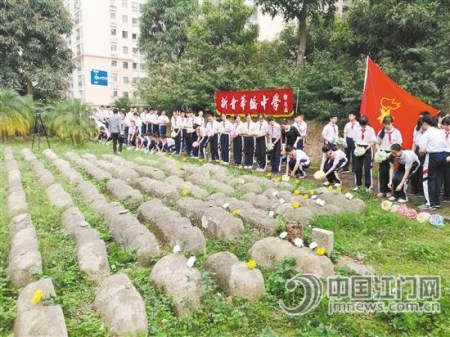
(297, 161)
(432, 145)
(262, 130)
(212, 130)
(248, 135)
(364, 138)
(386, 137)
(403, 164)
(201, 139)
(349, 137)
(225, 138)
(333, 161)
(302, 127)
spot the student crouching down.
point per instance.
(297, 162)
(333, 161)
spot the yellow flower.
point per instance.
(235, 212)
(306, 196)
(184, 160)
(320, 251)
(184, 192)
(339, 189)
(240, 167)
(251, 264)
(200, 160)
(297, 192)
(37, 296)
(178, 168)
(330, 188)
(278, 179)
(296, 204)
(268, 175)
(297, 181)
(311, 192)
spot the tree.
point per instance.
(298, 10)
(164, 25)
(34, 58)
(71, 119)
(123, 103)
(16, 114)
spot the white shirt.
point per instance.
(350, 128)
(390, 137)
(248, 127)
(447, 140)
(299, 155)
(275, 130)
(143, 116)
(338, 155)
(176, 122)
(202, 132)
(433, 140)
(365, 136)
(227, 126)
(163, 120)
(153, 118)
(262, 128)
(148, 117)
(330, 131)
(138, 121)
(236, 128)
(408, 158)
(188, 122)
(302, 128)
(199, 120)
(170, 142)
(212, 128)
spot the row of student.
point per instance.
(431, 147)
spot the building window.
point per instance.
(124, 34)
(135, 79)
(134, 36)
(78, 49)
(135, 21)
(125, 94)
(134, 65)
(124, 3)
(113, 31)
(125, 65)
(135, 51)
(113, 47)
(112, 16)
(125, 49)
(126, 80)
(135, 6)
(124, 19)
(114, 78)
(115, 93)
(114, 63)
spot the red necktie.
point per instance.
(396, 164)
(390, 137)
(273, 136)
(353, 124)
(334, 129)
(362, 133)
(248, 126)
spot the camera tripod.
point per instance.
(38, 128)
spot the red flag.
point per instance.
(383, 97)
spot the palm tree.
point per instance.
(16, 116)
(71, 119)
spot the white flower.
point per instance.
(176, 249)
(298, 242)
(283, 235)
(313, 245)
(349, 196)
(275, 194)
(285, 177)
(272, 214)
(190, 262)
(281, 200)
(314, 197)
(320, 202)
(226, 205)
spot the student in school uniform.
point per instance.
(248, 135)
(201, 139)
(432, 145)
(349, 135)
(176, 125)
(302, 127)
(143, 118)
(446, 130)
(403, 164)
(163, 120)
(333, 161)
(290, 134)
(188, 133)
(297, 162)
(236, 136)
(364, 137)
(386, 137)
(132, 135)
(225, 139)
(330, 133)
(199, 120)
(154, 123)
(275, 140)
(440, 116)
(262, 130)
(417, 178)
(212, 130)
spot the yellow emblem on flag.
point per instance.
(388, 105)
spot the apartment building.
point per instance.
(104, 42)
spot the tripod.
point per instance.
(38, 128)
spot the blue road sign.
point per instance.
(99, 77)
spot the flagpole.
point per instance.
(367, 71)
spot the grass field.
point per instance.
(393, 245)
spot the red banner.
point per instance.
(276, 102)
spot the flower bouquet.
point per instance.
(173, 134)
(195, 144)
(319, 175)
(269, 146)
(359, 151)
(381, 156)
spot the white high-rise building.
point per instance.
(104, 42)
